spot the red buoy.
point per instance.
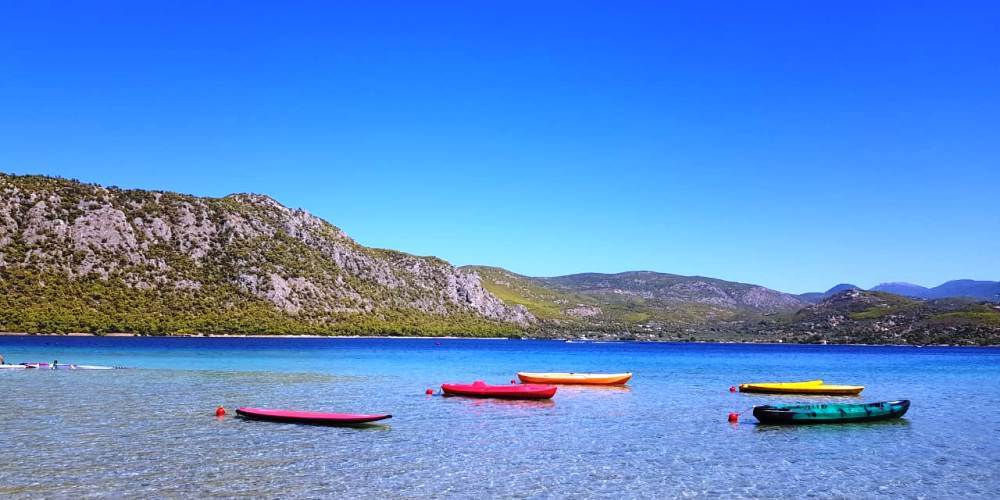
(732, 388)
(429, 392)
(220, 412)
(734, 417)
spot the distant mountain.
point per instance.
(984, 290)
(904, 289)
(814, 297)
(857, 316)
(676, 289)
(637, 301)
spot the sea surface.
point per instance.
(149, 431)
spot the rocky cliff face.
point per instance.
(301, 265)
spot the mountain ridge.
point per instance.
(78, 257)
(976, 289)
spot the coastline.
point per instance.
(243, 335)
(452, 337)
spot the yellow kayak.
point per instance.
(574, 378)
(816, 387)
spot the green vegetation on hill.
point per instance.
(878, 318)
(543, 302)
(649, 304)
(52, 303)
(78, 257)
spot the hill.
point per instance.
(983, 290)
(857, 316)
(78, 257)
(657, 304)
(85, 258)
(904, 289)
(980, 290)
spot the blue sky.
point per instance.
(794, 145)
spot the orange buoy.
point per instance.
(429, 392)
(220, 412)
(734, 417)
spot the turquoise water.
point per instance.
(150, 430)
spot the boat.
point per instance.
(66, 366)
(575, 378)
(12, 367)
(480, 389)
(814, 387)
(308, 417)
(830, 413)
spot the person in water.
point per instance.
(55, 364)
(2, 361)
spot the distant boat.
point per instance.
(66, 366)
(575, 378)
(831, 413)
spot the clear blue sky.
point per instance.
(795, 145)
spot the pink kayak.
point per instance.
(308, 417)
(480, 389)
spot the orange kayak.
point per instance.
(575, 378)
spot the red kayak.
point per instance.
(308, 417)
(480, 389)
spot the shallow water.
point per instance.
(150, 430)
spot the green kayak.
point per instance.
(830, 413)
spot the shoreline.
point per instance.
(452, 337)
(244, 335)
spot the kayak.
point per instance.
(831, 413)
(815, 387)
(308, 417)
(575, 378)
(480, 389)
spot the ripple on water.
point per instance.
(151, 431)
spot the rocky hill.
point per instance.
(675, 289)
(644, 302)
(814, 297)
(81, 257)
